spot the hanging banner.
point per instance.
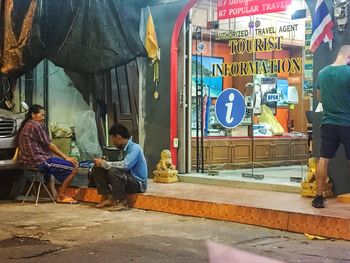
(236, 8)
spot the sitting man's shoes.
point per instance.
(319, 202)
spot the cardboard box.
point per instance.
(239, 131)
(63, 144)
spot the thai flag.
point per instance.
(321, 26)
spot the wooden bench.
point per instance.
(14, 164)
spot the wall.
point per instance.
(157, 121)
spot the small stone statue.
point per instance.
(165, 172)
(165, 162)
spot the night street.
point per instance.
(82, 233)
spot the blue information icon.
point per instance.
(230, 108)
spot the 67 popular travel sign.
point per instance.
(236, 8)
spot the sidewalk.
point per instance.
(277, 210)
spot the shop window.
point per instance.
(262, 56)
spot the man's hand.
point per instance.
(72, 160)
(98, 162)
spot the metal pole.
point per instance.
(198, 31)
(202, 123)
(46, 92)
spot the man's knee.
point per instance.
(115, 172)
(98, 172)
(75, 170)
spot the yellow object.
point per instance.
(156, 71)
(151, 43)
(156, 95)
(313, 237)
(63, 144)
(165, 176)
(15, 156)
(166, 172)
(58, 132)
(308, 186)
(344, 198)
(268, 117)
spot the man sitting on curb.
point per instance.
(115, 179)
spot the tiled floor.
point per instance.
(285, 211)
(274, 178)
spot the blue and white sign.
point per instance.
(273, 97)
(230, 108)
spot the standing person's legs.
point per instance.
(321, 175)
(329, 146)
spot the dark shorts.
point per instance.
(331, 137)
(57, 167)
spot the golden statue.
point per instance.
(166, 172)
(308, 186)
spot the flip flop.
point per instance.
(67, 200)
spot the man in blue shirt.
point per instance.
(115, 179)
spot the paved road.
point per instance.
(82, 233)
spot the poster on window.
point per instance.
(201, 67)
(267, 91)
(282, 90)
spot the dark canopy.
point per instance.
(86, 36)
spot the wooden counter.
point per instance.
(235, 152)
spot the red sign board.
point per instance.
(236, 8)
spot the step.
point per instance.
(277, 210)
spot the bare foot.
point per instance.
(107, 202)
(120, 206)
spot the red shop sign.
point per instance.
(236, 8)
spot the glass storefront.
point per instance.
(266, 58)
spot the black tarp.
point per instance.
(85, 36)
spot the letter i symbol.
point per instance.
(229, 106)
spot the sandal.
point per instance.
(67, 200)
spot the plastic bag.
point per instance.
(86, 135)
(268, 117)
(58, 132)
(74, 151)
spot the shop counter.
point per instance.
(237, 152)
